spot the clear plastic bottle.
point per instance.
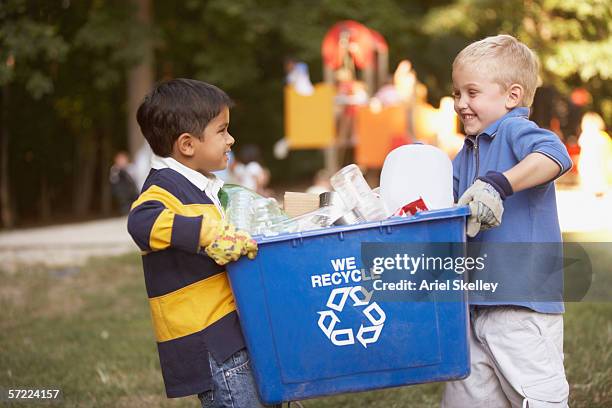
(265, 214)
(239, 209)
(355, 192)
(317, 219)
(251, 212)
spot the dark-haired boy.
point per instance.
(180, 226)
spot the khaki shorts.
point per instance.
(516, 361)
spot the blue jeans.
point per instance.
(233, 383)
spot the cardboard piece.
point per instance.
(295, 204)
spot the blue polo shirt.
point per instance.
(524, 254)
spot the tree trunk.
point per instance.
(45, 199)
(139, 80)
(105, 163)
(85, 165)
(6, 211)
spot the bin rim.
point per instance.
(452, 212)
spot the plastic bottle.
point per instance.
(355, 192)
(239, 209)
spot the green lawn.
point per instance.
(88, 332)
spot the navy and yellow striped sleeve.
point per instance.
(155, 222)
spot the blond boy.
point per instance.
(507, 166)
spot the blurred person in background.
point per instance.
(227, 174)
(350, 94)
(298, 76)
(248, 170)
(388, 95)
(424, 117)
(404, 79)
(122, 183)
(320, 183)
(595, 164)
(141, 165)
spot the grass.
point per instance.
(87, 331)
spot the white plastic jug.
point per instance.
(417, 170)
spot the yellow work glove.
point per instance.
(223, 243)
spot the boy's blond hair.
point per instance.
(507, 60)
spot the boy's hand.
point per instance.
(486, 206)
(228, 243)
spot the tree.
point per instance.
(66, 67)
(140, 76)
(109, 43)
(29, 53)
(240, 46)
(573, 38)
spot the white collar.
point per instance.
(210, 184)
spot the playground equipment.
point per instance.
(358, 110)
(355, 65)
(351, 46)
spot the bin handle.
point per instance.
(297, 241)
(385, 228)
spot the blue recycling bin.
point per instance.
(311, 332)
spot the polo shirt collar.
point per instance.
(209, 183)
(491, 130)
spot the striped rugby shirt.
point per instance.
(191, 302)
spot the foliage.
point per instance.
(70, 68)
(30, 50)
(65, 65)
(573, 38)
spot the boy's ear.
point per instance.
(185, 144)
(515, 96)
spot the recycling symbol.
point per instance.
(360, 296)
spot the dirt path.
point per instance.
(62, 245)
(73, 244)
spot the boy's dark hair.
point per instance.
(178, 106)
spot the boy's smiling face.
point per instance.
(212, 149)
(479, 101)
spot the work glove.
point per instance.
(223, 243)
(485, 198)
